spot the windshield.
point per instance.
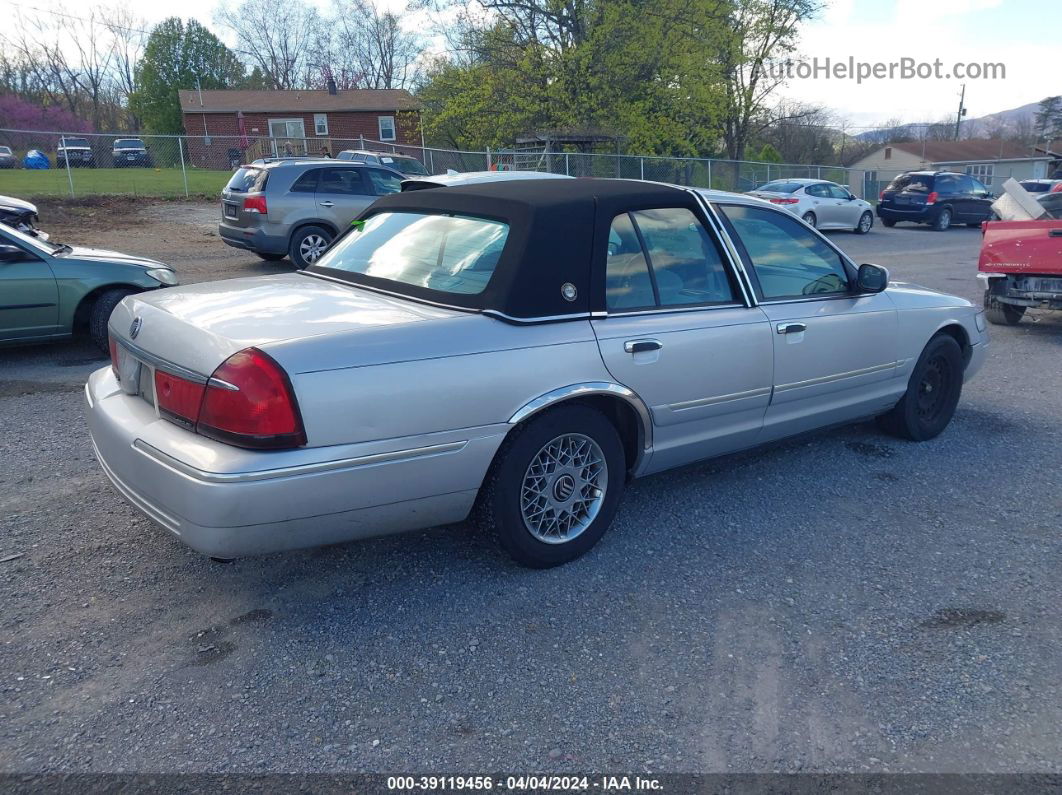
(128, 143)
(780, 187)
(409, 166)
(5, 150)
(918, 183)
(245, 179)
(34, 243)
(75, 142)
(448, 253)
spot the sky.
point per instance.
(1016, 33)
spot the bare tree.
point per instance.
(284, 39)
(370, 48)
(128, 34)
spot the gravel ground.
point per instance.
(843, 602)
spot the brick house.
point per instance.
(224, 126)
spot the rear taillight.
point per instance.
(249, 402)
(113, 346)
(179, 399)
(881, 196)
(784, 201)
(932, 198)
(1057, 188)
(254, 204)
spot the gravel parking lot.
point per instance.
(842, 602)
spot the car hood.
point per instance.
(198, 326)
(102, 255)
(10, 202)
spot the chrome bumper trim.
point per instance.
(711, 401)
(293, 471)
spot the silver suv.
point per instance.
(296, 208)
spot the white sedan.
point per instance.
(821, 204)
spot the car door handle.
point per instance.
(791, 328)
(327, 204)
(642, 346)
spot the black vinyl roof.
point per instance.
(558, 235)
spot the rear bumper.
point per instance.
(251, 502)
(916, 214)
(252, 239)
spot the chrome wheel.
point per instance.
(312, 247)
(865, 222)
(563, 488)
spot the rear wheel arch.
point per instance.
(621, 406)
(313, 222)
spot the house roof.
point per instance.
(967, 151)
(297, 101)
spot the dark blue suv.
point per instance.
(937, 198)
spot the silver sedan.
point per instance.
(516, 352)
(821, 204)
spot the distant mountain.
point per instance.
(1005, 121)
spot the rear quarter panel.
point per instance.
(465, 373)
(1021, 247)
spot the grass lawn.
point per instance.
(162, 182)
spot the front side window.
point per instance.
(663, 257)
(788, 259)
(837, 192)
(345, 181)
(448, 253)
(387, 128)
(384, 181)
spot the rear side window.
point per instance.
(663, 257)
(818, 191)
(347, 181)
(307, 183)
(788, 259)
(1036, 187)
(247, 179)
(917, 183)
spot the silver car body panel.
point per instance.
(405, 404)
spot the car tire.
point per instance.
(101, 312)
(269, 256)
(888, 222)
(943, 220)
(933, 392)
(520, 507)
(866, 223)
(809, 219)
(305, 241)
(1001, 314)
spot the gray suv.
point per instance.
(296, 208)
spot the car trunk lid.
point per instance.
(243, 198)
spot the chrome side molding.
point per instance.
(587, 389)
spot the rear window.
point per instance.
(780, 187)
(918, 183)
(407, 165)
(449, 253)
(247, 179)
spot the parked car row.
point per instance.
(79, 153)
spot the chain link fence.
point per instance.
(96, 164)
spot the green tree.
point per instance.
(1048, 119)
(178, 54)
(768, 154)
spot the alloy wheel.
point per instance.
(312, 247)
(563, 488)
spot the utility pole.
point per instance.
(962, 111)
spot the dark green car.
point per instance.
(51, 291)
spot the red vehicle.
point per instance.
(1021, 263)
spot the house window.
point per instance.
(320, 123)
(888, 153)
(387, 128)
(983, 171)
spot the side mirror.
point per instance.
(871, 279)
(851, 197)
(10, 253)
